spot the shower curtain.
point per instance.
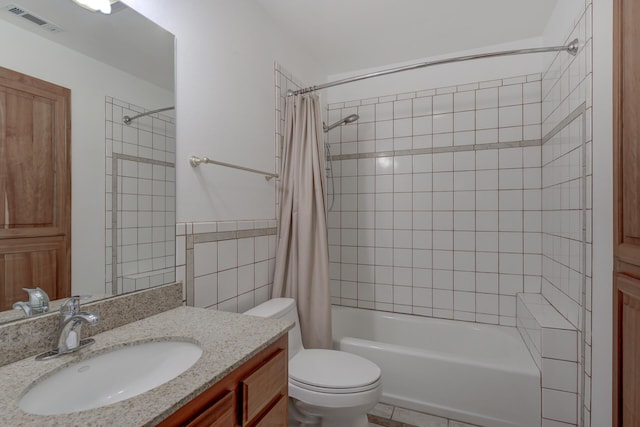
(302, 257)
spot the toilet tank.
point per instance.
(282, 308)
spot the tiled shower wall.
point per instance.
(437, 206)
(140, 199)
(566, 221)
(226, 265)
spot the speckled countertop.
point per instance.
(227, 339)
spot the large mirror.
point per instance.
(122, 174)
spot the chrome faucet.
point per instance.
(69, 329)
(38, 302)
(71, 320)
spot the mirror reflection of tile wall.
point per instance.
(140, 199)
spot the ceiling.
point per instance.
(125, 39)
(347, 35)
(343, 35)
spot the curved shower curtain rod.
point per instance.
(571, 48)
(127, 120)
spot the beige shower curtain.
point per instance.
(302, 257)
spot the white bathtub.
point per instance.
(479, 374)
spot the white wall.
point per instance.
(225, 97)
(90, 81)
(441, 75)
(558, 26)
(602, 211)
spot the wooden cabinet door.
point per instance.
(266, 384)
(627, 350)
(33, 262)
(35, 187)
(626, 169)
(225, 402)
(627, 131)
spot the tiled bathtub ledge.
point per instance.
(553, 344)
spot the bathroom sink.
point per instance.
(110, 377)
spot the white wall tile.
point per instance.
(464, 101)
(422, 106)
(366, 113)
(510, 95)
(489, 136)
(384, 129)
(227, 254)
(245, 251)
(442, 123)
(510, 116)
(464, 121)
(560, 375)
(487, 98)
(560, 344)
(402, 109)
(443, 104)
(559, 405)
(205, 290)
(422, 125)
(384, 111)
(205, 258)
(246, 278)
(532, 114)
(487, 118)
(227, 284)
(402, 128)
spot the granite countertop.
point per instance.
(227, 339)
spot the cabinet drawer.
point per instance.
(220, 414)
(264, 385)
(277, 416)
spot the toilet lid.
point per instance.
(332, 369)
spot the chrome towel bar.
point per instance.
(195, 161)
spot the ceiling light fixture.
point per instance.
(103, 6)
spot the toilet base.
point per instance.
(360, 421)
(303, 414)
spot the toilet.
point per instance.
(327, 388)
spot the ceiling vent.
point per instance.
(36, 20)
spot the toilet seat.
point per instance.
(333, 372)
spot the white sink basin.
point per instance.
(110, 377)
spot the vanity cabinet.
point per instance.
(253, 395)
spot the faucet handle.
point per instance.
(24, 306)
(69, 308)
(38, 300)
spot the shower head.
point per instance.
(349, 119)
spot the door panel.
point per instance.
(27, 263)
(30, 161)
(627, 351)
(35, 187)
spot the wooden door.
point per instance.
(35, 187)
(627, 312)
(626, 283)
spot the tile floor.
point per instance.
(393, 416)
